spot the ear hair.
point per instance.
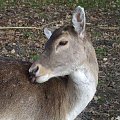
(47, 33)
(79, 21)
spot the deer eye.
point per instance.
(62, 43)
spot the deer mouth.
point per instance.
(39, 79)
(32, 78)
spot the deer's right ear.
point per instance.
(47, 33)
(79, 21)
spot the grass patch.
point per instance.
(101, 52)
(97, 34)
(27, 34)
(35, 57)
(2, 3)
(43, 15)
(118, 41)
(101, 100)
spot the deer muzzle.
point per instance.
(39, 74)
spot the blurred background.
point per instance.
(21, 37)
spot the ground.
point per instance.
(103, 23)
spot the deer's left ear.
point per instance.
(79, 21)
(47, 33)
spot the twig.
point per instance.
(38, 28)
(18, 28)
(104, 27)
(109, 28)
(1, 28)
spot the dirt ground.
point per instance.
(102, 24)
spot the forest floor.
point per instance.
(104, 27)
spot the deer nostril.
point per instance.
(33, 72)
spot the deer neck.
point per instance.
(83, 89)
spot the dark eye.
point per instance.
(62, 43)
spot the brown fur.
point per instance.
(26, 101)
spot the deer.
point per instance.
(60, 84)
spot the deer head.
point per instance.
(64, 51)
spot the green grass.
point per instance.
(101, 52)
(2, 3)
(43, 15)
(101, 100)
(69, 3)
(97, 34)
(118, 40)
(27, 34)
(35, 57)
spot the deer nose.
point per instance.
(34, 71)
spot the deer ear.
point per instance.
(47, 33)
(79, 21)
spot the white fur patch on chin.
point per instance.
(42, 79)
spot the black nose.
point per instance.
(33, 72)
